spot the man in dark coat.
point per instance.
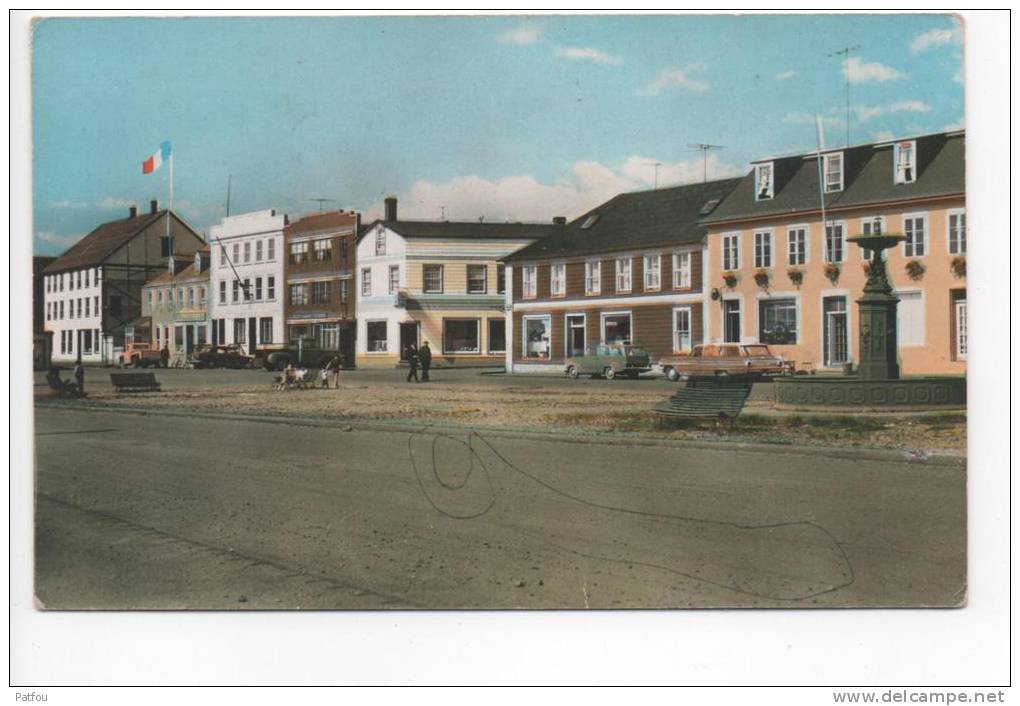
(164, 356)
(425, 355)
(334, 368)
(79, 378)
(412, 361)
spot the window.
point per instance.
(343, 291)
(376, 336)
(202, 296)
(914, 228)
(623, 269)
(270, 287)
(237, 253)
(500, 279)
(320, 292)
(497, 335)
(49, 309)
(266, 329)
(593, 277)
(258, 289)
(77, 279)
(235, 290)
(191, 296)
(180, 297)
(240, 330)
(247, 251)
(910, 319)
(731, 251)
(433, 279)
(323, 250)
(682, 270)
(529, 281)
(557, 279)
(763, 248)
(61, 317)
(682, 329)
(166, 245)
(616, 328)
(223, 292)
(590, 221)
(380, 242)
(271, 249)
(298, 295)
(343, 249)
(461, 336)
(652, 271)
(796, 244)
(763, 181)
(476, 279)
(223, 256)
(148, 298)
(731, 321)
(87, 311)
(833, 172)
(247, 289)
(777, 321)
(61, 280)
(298, 253)
(536, 337)
(872, 226)
(95, 301)
(957, 233)
(258, 250)
(835, 242)
(366, 282)
(86, 341)
(904, 162)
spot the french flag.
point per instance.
(153, 163)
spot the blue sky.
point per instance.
(517, 118)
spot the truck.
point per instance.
(140, 354)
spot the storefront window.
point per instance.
(536, 337)
(461, 336)
(616, 328)
(375, 335)
(777, 320)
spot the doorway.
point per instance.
(408, 335)
(835, 331)
(731, 320)
(575, 335)
(253, 328)
(189, 340)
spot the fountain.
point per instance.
(877, 382)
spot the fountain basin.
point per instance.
(851, 393)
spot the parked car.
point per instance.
(726, 359)
(219, 356)
(277, 359)
(609, 361)
(139, 355)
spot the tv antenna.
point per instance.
(321, 201)
(845, 53)
(705, 148)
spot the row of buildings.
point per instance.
(750, 259)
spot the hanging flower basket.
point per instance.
(730, 279)
(915, 269)
(959, 266)
(832, 272)
(761, 278)
(796, 276)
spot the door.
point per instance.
(253, 328)
(189, 340)
(575, 335)
(731, 320)
(408, 335)
(835, 331)
(682, 329)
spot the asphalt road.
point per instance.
(156, 511)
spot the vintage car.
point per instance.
(219, 356)
(139, 355)
(280, 358)
(726, 359)
(609, 361)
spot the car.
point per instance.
(219, 356)
(609, 361)
(726, 359)
(140, 355)
(280, 358)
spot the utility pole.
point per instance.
(321, 201)
(845, 53)
(705, 148)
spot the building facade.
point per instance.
(440, 282)
(778, 277)
(93, 291)
(320, 300)
(628, 271)
(247, 280)
(175, 305)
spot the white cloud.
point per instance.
(933, 39)
(866, 112)
(785, 75)
(113, 204)
(587, 54)
(676, 77)
(64, 241)
(69, 204)
(585, 185)
(858, 71)
(525, 34)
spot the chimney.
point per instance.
(560, 220)
(133, 212)
(153, 206)
(391, 208)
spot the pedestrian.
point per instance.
(334, 367)
(425, 355)
(164, 356)
(79, 378)
(324, 376)
(412, 361)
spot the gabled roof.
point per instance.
(465, 229)
(633, 221)
(868, 179)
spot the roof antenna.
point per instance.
(229, 177)
(321, 201)
(845, 52)
(704, 148)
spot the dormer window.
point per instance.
(905, 162)
(763, 182)
(589, 221)
(834, 172)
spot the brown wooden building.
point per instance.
(319, 303)
(628, 271)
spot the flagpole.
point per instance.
(173, 245)
(821, 177)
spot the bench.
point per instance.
(134, 382)
(66, 388)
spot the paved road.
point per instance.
(157, 511)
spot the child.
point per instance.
(324, 376)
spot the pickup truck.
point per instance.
(140, 355)
(726, 359)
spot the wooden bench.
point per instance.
(66, 388)
(134, 382)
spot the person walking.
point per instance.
(425, 356)
(334, 368)
(79, 378)
(164, 355)
(412, 361)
